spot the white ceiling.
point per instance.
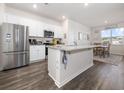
(92, 15)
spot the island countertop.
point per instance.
(71, 47)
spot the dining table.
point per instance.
(100, 48)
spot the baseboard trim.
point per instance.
(120, 54)
(34, 61)
(56, 82)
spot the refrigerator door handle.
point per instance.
(16, 38)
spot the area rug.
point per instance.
(112, 59)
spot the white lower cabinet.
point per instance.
(37, 53)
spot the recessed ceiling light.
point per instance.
(85, 4)
(63, 17)
(105, 21)
(35, 6)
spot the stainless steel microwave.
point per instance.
(48, 34)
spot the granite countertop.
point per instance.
(70, 47)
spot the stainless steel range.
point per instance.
(14, 45)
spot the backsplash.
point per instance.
(40, 40)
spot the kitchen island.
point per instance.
(67, 62)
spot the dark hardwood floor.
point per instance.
(101, 76)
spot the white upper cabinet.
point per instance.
(11, 19)
(36, 28)
(48, 27)
(39, 29)
(24, 21)
(5, 18)
(32, 28)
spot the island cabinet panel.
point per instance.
(77, 62)
(54, 64)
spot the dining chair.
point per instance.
(96, 49)
(101, 52)
(107, 50)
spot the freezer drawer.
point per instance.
(15, 59)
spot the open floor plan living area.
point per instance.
(61, 46)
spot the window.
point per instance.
(114, 36)
(118, 36)
(106, 36)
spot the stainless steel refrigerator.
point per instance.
(14, 45)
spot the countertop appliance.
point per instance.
(32, 42)
(48, 34)
(15, 45)
(56, 41)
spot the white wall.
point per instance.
(117, 49)
(71, 28)
(96, 38)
